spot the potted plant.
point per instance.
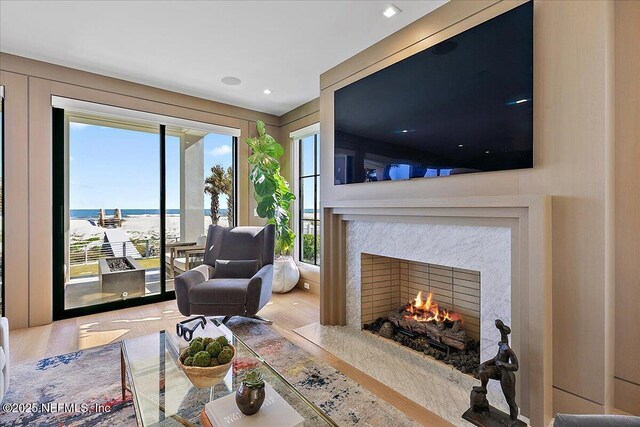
(250, 395)
(207, 360)
(274, 198)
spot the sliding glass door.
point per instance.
(200, 189)
(112, 207)
(132, 203)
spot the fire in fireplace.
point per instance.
(428, 311)
(426, 327)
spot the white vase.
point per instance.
(285, 274)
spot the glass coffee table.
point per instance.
(164, 396)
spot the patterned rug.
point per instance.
(88, 377)
(92, 378)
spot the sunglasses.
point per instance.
(186, 332)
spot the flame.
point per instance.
(428, 310)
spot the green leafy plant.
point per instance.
(308, 246)
(253, 379)
(230, 202)
(271, 190)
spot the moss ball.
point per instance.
(184, 354)
(214, 348)
(188, 361)
(214, 362)
(195, 347)
(225, 356)
(207, 341)
(222, 340)
(201, 359)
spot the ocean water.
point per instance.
(93, 213)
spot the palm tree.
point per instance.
(229, 186)
(214, 185)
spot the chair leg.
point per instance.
(261, 319)
(254, 317)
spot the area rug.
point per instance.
(91, 378)
(84, 381)
(344, 400)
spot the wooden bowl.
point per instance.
(209, 376)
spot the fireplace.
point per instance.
(433, 309)
(490, 235)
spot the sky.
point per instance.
(117, 168)
(307, 168)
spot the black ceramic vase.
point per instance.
(249, 400)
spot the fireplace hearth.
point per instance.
(466, 361)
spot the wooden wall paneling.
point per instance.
(40, 202)
(333, 272)
(627, 206)
(16, 199)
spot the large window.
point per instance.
(309, 198)
(133, 199)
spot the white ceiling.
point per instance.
(188, 46)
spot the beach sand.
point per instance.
(137, 227)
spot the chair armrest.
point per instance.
(183, 284)
(192, 251)
(176, 244)
(188, 253)
(259, 289)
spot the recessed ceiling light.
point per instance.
(487, 152)
(391, 10)
(266, 91)
(231, 81)
(460, 145)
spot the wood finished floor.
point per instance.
(288, 311)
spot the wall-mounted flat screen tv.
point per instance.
(464, 105)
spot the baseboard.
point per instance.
(309, 274)
(627, 396)
(314, 287)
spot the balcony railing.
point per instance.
(84, 255)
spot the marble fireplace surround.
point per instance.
(486, 250)
(527, 219)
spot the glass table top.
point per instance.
(164, 396)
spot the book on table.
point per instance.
(275, 412)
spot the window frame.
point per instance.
(296, 142)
